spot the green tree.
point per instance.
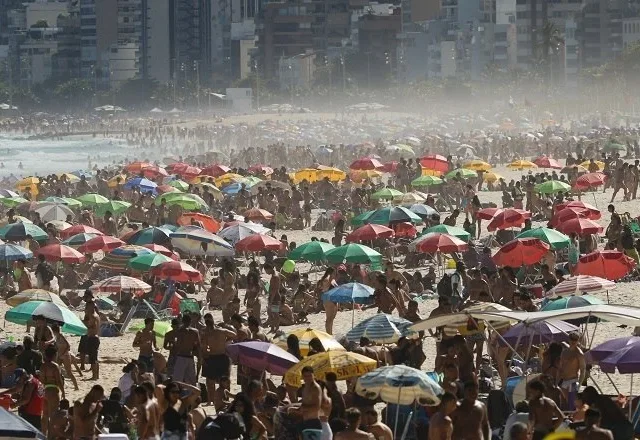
(40, 24)
(136, 93)
(74, 91)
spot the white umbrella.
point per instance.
(197, 241)
(237, 232)
(53, 211)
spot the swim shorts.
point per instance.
(311, 429)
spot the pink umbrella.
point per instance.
(437, 242)
(177, 271)
(258, 243)
(61, 252)
(105, 243)
(79, 229)
(215, 170)
(547, 162)
(366, 163)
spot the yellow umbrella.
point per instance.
(430, 172)
(334, 174)
(71, 178)
(600, 164)
(477, 165)
(228, 178)
(120, 179)
(203, 178)
(211, 189)
(360, 175)
(521, 165)
(35, 295)
(308, 174)
(492, 177)
(27, 181)
(306, 335)
(344, 364)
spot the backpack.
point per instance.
(444, 288)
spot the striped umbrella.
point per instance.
(193, 240)
(381, 329)
(581, 284)
(79, 239)
(24, 313)
(151, 235)
(306, 335)
(104, 243)
(61, 252)
(400, 385)
(19, 232)
(119, 284)
(13, 252)
(118, 258)
(34, 295)
(262, 356)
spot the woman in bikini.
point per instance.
(64, 355)
(53, 382)
(252, 297)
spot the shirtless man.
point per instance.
(51, 378)
(311, 428)
(214, 295)
(187, 345)
(544, 414)
(145, 340)
(256, 332)
(592, 430)
(440, 424)
(470, 419)
(229, 290)
(573, 369)
(379, 430)
(86, 413)
(90, 343)
(274, 297)
(352, 432)
(169, 344)
(215, 362)
(147, 423)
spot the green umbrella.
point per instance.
(311, 251)
(251, 181)
(160, 329)
(72, 203)
(353, 253)
(24, 313)
(393, 214)
(12, 202)
(451, 230)
(614, 146)
(144, 263)
(555, 239)
(426, 181)
(189, 202)
(116, 207)
(552, 187)
(179, 184)
(359, 220)
(386, 194)
(571, 302)
(19, 232)
(92, 199)
(464, 172)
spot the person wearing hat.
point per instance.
(31, 400)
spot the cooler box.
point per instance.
(5, 402)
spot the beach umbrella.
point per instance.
(426, 181)
(386, 194)
(547, 162)
(121, 283)
(13, 252)
(79, 229)
(116, 181)
(53, 211)
(57, 200)
(555, 239)
(262, 356)
(79, 239)
(61, 252)
(260, 169)
(34, 295)
(477, 165)
(539, 332)
(189, 202)
(118, 258)
(409, 198)
(491, 177)
(423, 211)
(150, 235)
(8, 193)
(370, 232)
(463, 172)
(580, 226)
(162, 250)
(227, 179)
(178, 184)
(198, 241)
(626, 361)
(438, 242)
(595, 213)
(607, 264)
(306, 335)
(405, 229)
(590, 180)
(508, 218)
(360, 219)
(215, 170)
(353, 253)
(399, 385)
(571, 302)
(163, 189)
(521, 252)
(115, 207)
(20, 231)
(333, 174)
(521, 165)
(160, 330)
(238, 231)
(599, 164)
(25, 312)
(137, 167)
(490, 213)
(59, 225)
(256, 214)
(258, 243)
(177, 271)
(581, 284)
(145, 185)
(154, 171)
(104, 243)
(350, 293)
(310, 251)
(145, 263)
(552, 187)
(308, 174)
(450, 230)
(27, 181)
(381, 328)
(435, 162)
(614, 146)
(198, 219)
(344, 364)
(12, 202)
(393, 214)
(365, 163)
(569, 213)
(359, 176)
(607, 348)
(401, 149)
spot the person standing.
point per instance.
(274, 297)
(440, 424)
(187, 345)
(470, 419)
(215, 362)
(544, 414)
(90, 343)
(53, 382)
(592, 430)
(64, 355)
(572, 371)
(145, 340)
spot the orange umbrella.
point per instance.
(136, 167)
(257, 214)
(521, 252)
(611, 264)
(208, 222)
(258, 243)
(435, 162)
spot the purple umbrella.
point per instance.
(262, 356)
(540, 332)
(627, 361)
(606, 349)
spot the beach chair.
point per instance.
(189, 305)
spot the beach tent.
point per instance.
(13, 426)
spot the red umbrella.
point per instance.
(437, 242)
(405, 229)
(521, 252)
(590, 180)
(488, 213)
(105, 243)
(177, 271)
(61, 252)
(195, 218)
(568, 213)
(610, 265)
(547, 162)
(435, 162)
(261, 169)
(189, 172)
(165, 189)
(215, 170)
(366, 163)
(79, 229)
(257, 243)
(257, 214)
(508, 218)
(389, 167)
(577, 204)
(154, 171)
(370, 232)
(580, 226)
(177, 167)
(162, 250)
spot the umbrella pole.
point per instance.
(630, 396)
(395, 426)
(353, 313)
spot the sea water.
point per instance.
(46, 156)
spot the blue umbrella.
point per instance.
(233, 188)
(13, 252)
(19, 232)
(381, 329)
(354, 293)
(423, 211)
(399, 384)
(151, 235)
(145, 185)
